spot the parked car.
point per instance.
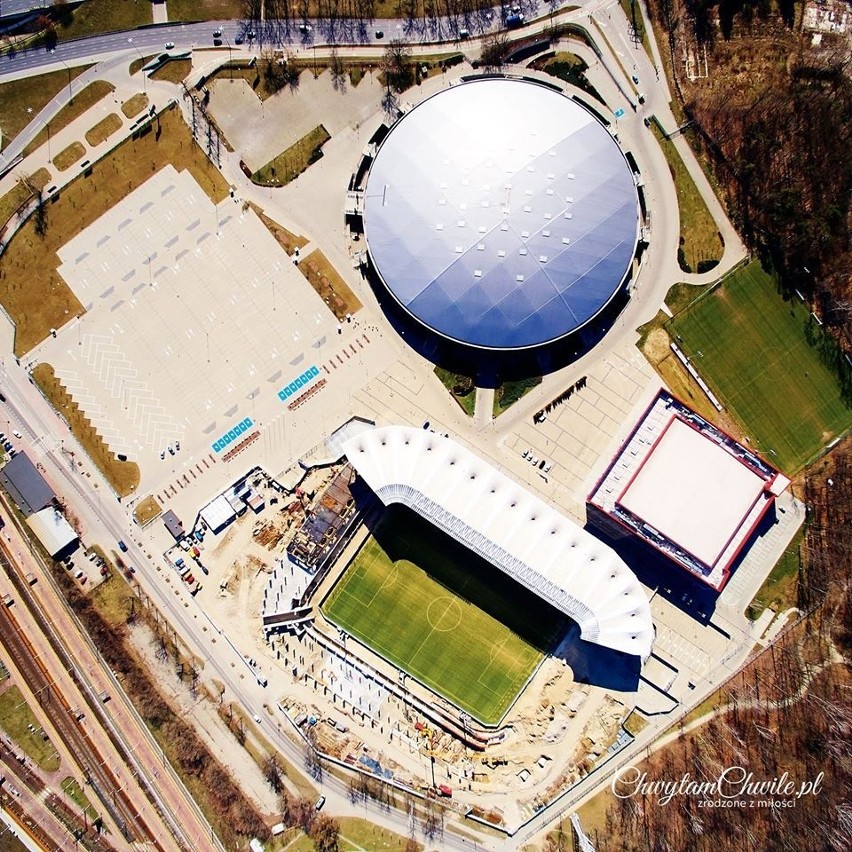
(320, 802)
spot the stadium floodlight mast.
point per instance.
(463, 717)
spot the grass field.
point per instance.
(764, 359)
(133, 106)
(289, 164)
(444, 615)
(103, 129)
(68, 156)
(700, 244)
(103, 16)
(75, 792)
(16, 719)
(82, 101)
(21, 100)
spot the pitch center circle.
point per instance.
(444, 614)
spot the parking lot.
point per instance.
(195, 319)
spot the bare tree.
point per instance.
(325, 832)
(272, 772)
(494, 49)
(338, 71)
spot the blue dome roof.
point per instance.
(501, 214)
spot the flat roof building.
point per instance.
(687, 489)
(52, 530)
(26, 486)
(173, 525)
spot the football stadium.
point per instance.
(498, 572)
(501, 216)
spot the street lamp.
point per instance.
(70, 90)
(144, 78)
(230, 57)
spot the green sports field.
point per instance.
(770, 366)
(442, 614)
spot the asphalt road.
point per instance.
(316, 32)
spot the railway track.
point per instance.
(115, 800)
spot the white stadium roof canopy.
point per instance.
(509, 527)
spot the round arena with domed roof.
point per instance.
(501, 215)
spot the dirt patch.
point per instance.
(656, 346)
(332, 289)
(68, 156)
(146, 510)
(286, 239)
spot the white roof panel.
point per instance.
(51, 529)
(511, 528)
(218, 513)
(693, 491)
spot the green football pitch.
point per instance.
(763, 358)
(439, 612)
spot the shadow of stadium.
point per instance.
(403, 534)
(598, 666)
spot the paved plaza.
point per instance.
(261, 130)
(195, 320)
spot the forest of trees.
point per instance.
(788, 710)
(772, 116)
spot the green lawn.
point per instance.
(461, 388)
(570, 68)
(101, 16)
(769, 364)
(15, 719)
(75, 792)
(700, 244)
(444, 615)
(289, 164)
(780, 588)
